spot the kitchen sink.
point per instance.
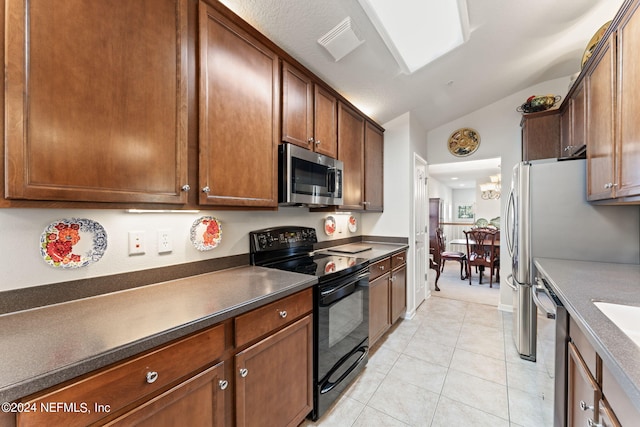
(625, 317)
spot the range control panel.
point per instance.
(272, 239)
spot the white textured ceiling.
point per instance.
(513, 44)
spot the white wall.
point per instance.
(21, 264)
(499, 127)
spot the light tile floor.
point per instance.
(454, 364)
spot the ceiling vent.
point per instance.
(341, 40)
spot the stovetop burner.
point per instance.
(290, 248)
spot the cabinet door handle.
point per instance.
(152, 376)
(317, 142)
(310, 140)
(223, 384)
(206, 189)
(283, 314)
(244, 372)
(584, 406)
(592, 423)
(186, 188)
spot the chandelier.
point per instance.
(491, 190)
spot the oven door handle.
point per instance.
(540, 287)
(333, 294)
(326, 386)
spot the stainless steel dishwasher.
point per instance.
(552, 337)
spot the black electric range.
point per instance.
(341, 305)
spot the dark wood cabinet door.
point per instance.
(274, 378)
(600, 118)
(239, 115)
(578, 119)
(628, 155)
(326, 122)
(351, 152)
(541, 135)
(398, 293)
(583, 391)
(379, 320)
(96, 101)
(198, 401)
(373, 168)
(297, 107)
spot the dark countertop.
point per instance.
(45, 346)
(578, 284)
(377, 252)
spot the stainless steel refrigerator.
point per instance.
(547, 215)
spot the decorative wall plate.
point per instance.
(206, 233)
(352, 224)
(329, 225)
(591, 46)
(463, 142)
(73, 243)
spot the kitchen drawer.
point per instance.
(587, 352)
(398, 260)
(125, 383)
(379, 268)
(263, 320)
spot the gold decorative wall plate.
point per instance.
(591, 46)
(464, 142)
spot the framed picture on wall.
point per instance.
(464, 212)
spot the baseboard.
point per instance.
(505, 307)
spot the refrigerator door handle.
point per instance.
(509, 212)
(510, 282)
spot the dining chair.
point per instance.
(481, 252)
(460, 257)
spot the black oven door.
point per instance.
(342, 336)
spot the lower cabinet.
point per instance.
(191, 381)
(387, 294)
(198, 401)
(594, 396)
(273, 385)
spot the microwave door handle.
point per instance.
(331, 180)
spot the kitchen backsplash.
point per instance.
(24, 264)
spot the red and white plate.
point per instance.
(329, 225)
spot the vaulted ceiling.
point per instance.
(513, 44)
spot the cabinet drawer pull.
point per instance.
(592, 423)
(244, 372)
(152, 376)
(283, 314)
(381, 267)
(223, 384)
(584, 406)
(401, 258)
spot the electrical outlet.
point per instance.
(136, 242)
(164, 241)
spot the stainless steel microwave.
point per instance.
(308, 178)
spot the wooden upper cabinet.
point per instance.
(239, 115)
(297, 107)
(628, 97)
(309, 113)
(351, 152)
(600, 84)
(96, 101)
(373, 168)
(572, 124)
(540, 135)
